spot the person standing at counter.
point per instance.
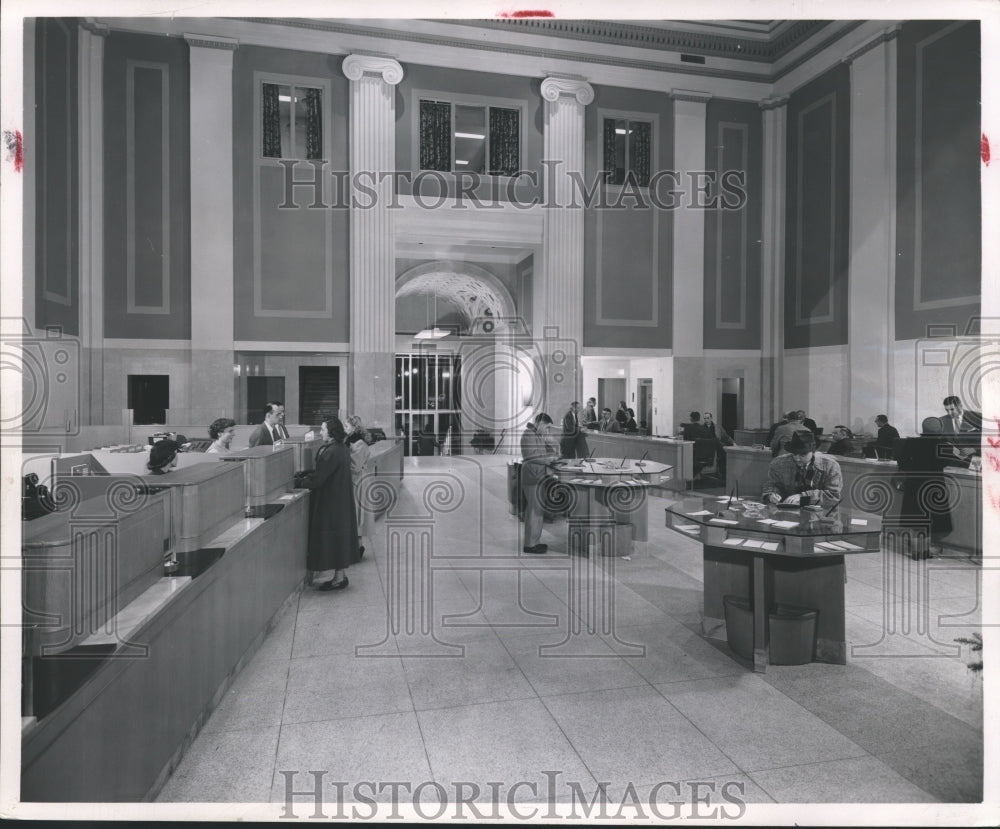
(573, 443)
(590, 413)
(885, 440)
(722, 439)
(333, 521)
(360, 455)
(802, 474)
(536, 453)
(783, 434)
(268, 432)
(808, 422)
(221, 432)
(621, 416)
(695, 430)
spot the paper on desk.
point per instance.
(721, 521)
(861, 522)
(733, 542)
(752, 542)
(767, 521)
(846, 545)
(786, 524)
(769, 545)
(700, 512)
(686, 527)
(825, 545)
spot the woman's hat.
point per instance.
(162, 453)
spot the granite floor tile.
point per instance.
(512, 742)
(555, 665)
(255, 699)
(343, 686)
(673, 653)
(722, 797)
(337, 630)
(949, 770)
(851, 780)
(634, 735)
(484, 673)
(755, 724)
(225, 767)
(382, 749)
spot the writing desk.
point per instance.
(786, 555)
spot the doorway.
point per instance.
(731, 403)
(644, 403)
(610, 392)
(319, 393)
(149, 398)
(260, 392)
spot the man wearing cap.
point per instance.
(802, 476)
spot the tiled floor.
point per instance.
(563, 673)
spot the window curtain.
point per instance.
(272, 122)
(505, 142)
(435, 136)
(639, 140)
(610, 145)
(314, 124)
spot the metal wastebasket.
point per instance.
(739, 625)
(792, 633)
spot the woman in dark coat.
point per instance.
(333, 522)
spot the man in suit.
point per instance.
(573, 443)
(536, 455)
(962, 422)
(958, 420)
(608, 423)
(721, 437)
(784, 433)
(268, 431)
(695, 429)
(885, 441)
(281, 418)
(590, 413)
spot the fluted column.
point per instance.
(559, 326)
(212, 270)
(690, 110)
(90, 59)
(372, 256)
(872, 276)
(775, 111)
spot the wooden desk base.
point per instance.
(768, 580)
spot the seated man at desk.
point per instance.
(885, 440)
(840, 443)
(801, 477)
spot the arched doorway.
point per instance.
(464, 372)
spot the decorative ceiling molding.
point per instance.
(889, 34)
(212, 42)
(664, 37)
(476, 291)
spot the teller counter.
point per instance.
(180, 585)
(869, 485)
(677, 454)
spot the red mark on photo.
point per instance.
(520, 14)
(15, 148)
(984, 149)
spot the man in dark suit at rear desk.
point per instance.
(965, 424)
(885, 440)
(270, 430)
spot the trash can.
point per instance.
(739, 625)
(792, 635)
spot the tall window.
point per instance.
(429, 403)
(475, 138)
(627, 150)
(292, 121)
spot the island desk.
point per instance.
(874, 486)
(677, 454)
(605, 501)
(781, 558)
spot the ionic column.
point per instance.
(212, 326)
(372, 256)
(872, 276)
(773, 259)
(559, 325)
(689, 250)
(90, 61)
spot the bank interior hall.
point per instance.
(241, 232)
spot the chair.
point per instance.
(705, 460)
